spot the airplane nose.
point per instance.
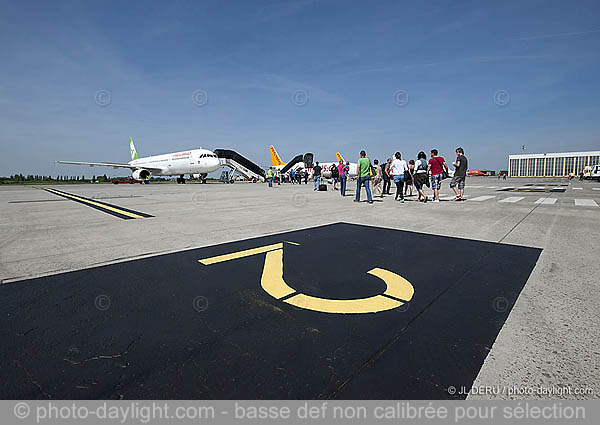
(215, 163)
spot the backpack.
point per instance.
(335, 172)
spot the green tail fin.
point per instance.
(134, 154)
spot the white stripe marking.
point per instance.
(546, 201)
(482, 198)
(491, 187)
(595, 188)
(448, 198)
(512, 199)
(586, 203)
(578, 188)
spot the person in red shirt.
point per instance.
(436, 167)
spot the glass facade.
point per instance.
(559, 170)
(523, 167)
(569, 165)
(514, 168)
(539, 167)
(552, 166)
(549, 167)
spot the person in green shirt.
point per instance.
(364, 176)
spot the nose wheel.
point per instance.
(181, 179)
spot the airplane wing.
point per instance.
(110, 164)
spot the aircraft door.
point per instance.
(308, 160)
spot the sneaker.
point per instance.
(370, 202)
(457, 198)
(401, 200)
(425, 201)
(355, 200)
(436, 200)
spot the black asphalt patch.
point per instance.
(169, 327)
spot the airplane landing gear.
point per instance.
(181, 179)
(203, 178)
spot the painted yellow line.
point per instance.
(397, 286)
(373, 304)
(398, 289)
(103, 206)
(240, 254)
(272, 276)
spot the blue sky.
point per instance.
(488, 76)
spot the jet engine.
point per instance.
(140, 175)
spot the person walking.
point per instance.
(377, 179)
(292, 176)
(305, 175)
(437, 166)
(343, 175)
(460, 174)
(420, 178)
(409, 177)
(334, 175)
(279, 177)
(317, 176)
(363, 171)
(387, 182)
(397, 169)
(270, 176)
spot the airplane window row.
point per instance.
(208, 155)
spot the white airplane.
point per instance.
(326, 173)
(278, 164)
(194, 162)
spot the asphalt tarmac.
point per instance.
(238, 291)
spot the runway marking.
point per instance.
(578, 188)
(512, 199)
(546, 201)
(398, 290)
(448, 198)
(115, 210)
(492, 187)
(585, 203)
(595, 188)
(482, 198)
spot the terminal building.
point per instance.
(551, 164)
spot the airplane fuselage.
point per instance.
(195, 161)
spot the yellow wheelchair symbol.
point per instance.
(398, 292)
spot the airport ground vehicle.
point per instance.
(594, 173)
(123, 180)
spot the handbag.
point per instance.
(444, 172)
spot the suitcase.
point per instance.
(322, 188)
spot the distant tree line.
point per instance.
(30, 178)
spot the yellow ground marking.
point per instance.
(397, 286)
(240, 254)
(273, 283)
(272, 276)
(87, 201)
